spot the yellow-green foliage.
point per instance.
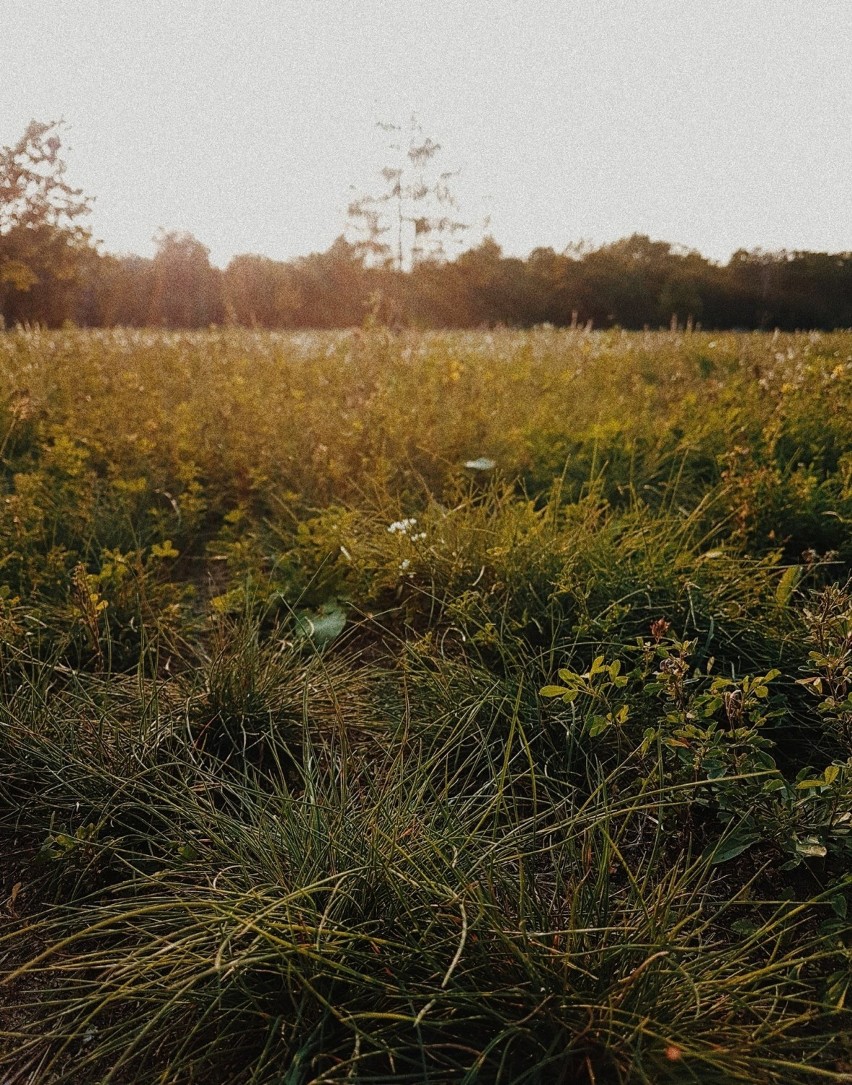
(425, 707)
(179, 426)
(227, 445)
(322, 415)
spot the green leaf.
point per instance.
(322, 626)
(648, 738)
(831, 773)
(811, 847)
(164, 550)
(744, 927)
(840, 905)
(733, 846)
(803, 784)
(553, 691)
(787, 585)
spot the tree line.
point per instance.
(51, 272)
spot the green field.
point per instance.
(445, 707)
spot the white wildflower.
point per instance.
(402, 527)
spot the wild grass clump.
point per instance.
(431, 708)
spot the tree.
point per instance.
(186, 289)
(116, 291)
(412, 218)
(260, 292)
(43, 246)
(332, 287)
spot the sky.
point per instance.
(717, 124)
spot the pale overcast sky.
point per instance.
(711, 123)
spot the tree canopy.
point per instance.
(394, 270)
(43, 244)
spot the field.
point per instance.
(466, 707)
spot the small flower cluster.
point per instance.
(403, 527)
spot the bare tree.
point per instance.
(413, 217)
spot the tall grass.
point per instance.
(281, 799)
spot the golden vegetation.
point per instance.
(432, 707)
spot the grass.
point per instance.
(327, 758)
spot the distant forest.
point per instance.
(51, 272)
(633, 283)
